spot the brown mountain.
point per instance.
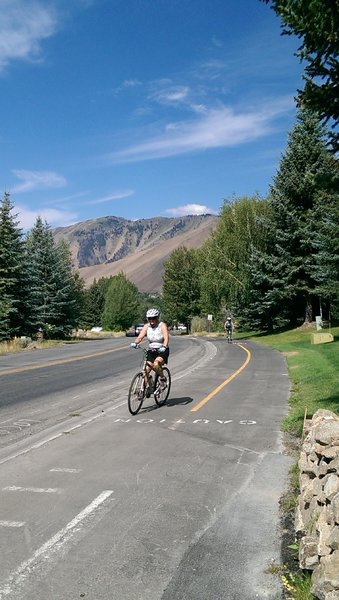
(105, 246)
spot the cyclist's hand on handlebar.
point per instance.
(162, 349)
(134, 345)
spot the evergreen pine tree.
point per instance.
(51, 285)
(12, 272)
(285, 276)
(69, 289)
(326, 257)
(80, 294)
(95, 302)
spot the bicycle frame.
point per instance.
(144, 384)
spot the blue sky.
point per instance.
(140, 108)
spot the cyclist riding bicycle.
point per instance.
(158, 350)
(229, 327)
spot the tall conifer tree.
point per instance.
(327, 245)
(12, 272)
(285, 277)
(52, 293)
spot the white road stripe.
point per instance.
(17, 488)
(65, 470)
(12, 523)
(56, 544)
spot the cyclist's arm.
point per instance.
(142, 334)
(165, 333)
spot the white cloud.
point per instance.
(37, 180)
(114, 196)
(210, 70)
(190, 209)
(54, 217)
(66, 199)
(199, 108)
(214, 128)
(127, 84)
(131, 83)
(171, 94)
(23, 25)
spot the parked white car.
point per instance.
(134, 330)
(178, 329)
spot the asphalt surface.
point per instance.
(177, 502)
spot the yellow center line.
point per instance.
(60, 361)
(222, 385)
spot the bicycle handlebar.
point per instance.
(161, 349)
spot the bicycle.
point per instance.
(139, 389)
(229, 336)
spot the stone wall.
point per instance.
(317, 514)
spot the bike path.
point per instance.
(168, 504)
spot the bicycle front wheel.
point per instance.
(136, 393)
(161, 394)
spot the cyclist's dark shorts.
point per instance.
(153, 354)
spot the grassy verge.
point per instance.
(19, 345)
(22, 344)
(313, 371)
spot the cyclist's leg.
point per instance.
(158, 367)
(148, 368)
(158, 364)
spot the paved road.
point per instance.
(179, 502)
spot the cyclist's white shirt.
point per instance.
(155, 336)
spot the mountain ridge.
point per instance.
(108, 245)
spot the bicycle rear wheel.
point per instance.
(136, 393)
(160, 396)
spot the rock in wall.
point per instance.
(317, 513)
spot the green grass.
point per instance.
(289, 499)
(313, 371)
(297, 586)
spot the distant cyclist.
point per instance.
(229, 327)
(158, 337)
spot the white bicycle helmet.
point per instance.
(152, 312)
